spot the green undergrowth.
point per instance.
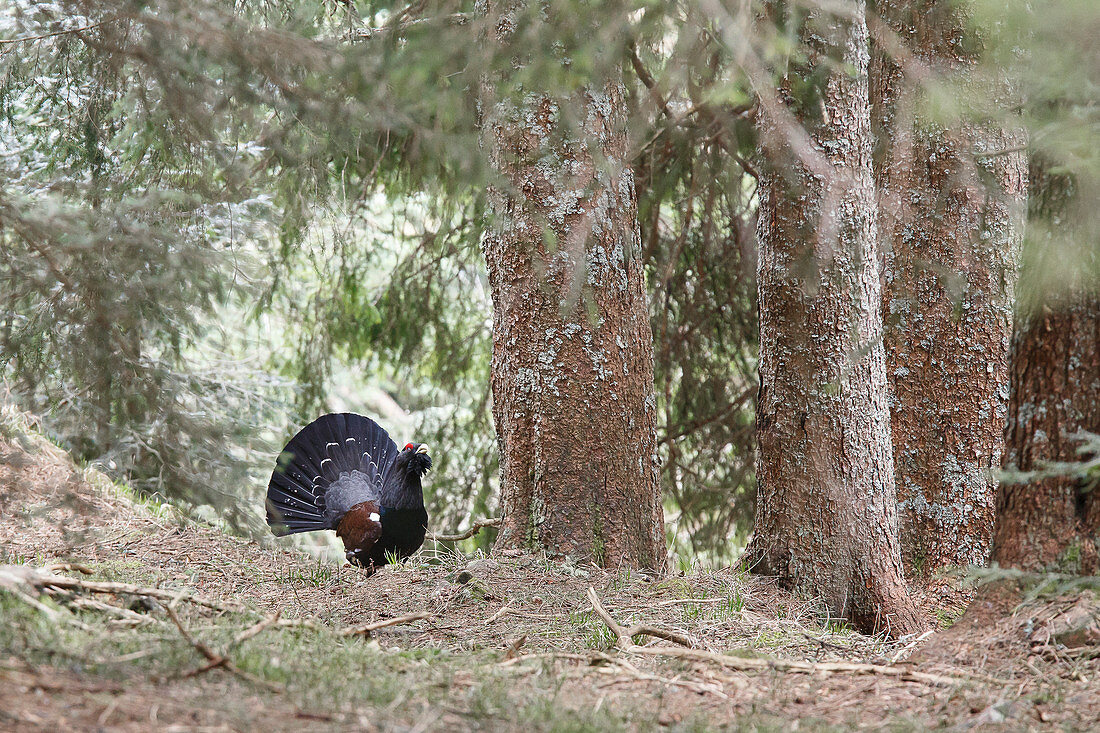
(321, 671)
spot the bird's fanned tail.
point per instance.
(331, 445)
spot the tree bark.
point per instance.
(572, 368)
(952, 204)
(1052, 523)
(826, 519)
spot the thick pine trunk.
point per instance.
(826, 520)
(1052, 523)
(952, 203)
(572, 369)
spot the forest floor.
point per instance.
(499, 642)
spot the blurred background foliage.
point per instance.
(1049, 57)
(219, 219)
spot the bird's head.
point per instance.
(402, 488)
(414, 459)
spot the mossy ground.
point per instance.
(511, 642)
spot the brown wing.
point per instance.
(360, 528)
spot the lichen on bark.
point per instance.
(952, 200)
(1052, 522)
(572, 370)
(826, 520)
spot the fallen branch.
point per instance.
(51, 614)
(272, 621)
(762, 663)
(546, 655)
(122, 614)
(625, 635)
(829, 645)
(678, 601)
(623, 666)
(366, 629)
(477, 527)
(256, 629)
(214, 660)
(202, 648)
(41, 580)
(60, 581)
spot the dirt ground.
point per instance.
(504, 642)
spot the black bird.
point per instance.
(343, 472)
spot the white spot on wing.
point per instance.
(374, 517)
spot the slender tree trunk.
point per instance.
(952, 204)
(572, 371)
(826, 519)
(1052, 523)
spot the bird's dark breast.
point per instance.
(403, 533)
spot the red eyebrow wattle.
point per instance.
(408, 446)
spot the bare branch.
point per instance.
(403, 25)
(477, 527)
(647, 79)
(53, 34)
(60, 581)
(214, 660)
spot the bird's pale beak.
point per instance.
(421, 450)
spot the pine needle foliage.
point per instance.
(219, 218)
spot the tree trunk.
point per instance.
(572, 369)
(952, 202)
(826, 519)
(1052, 523)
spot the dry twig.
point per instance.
(122, 614)
(678, 601)
(273, 621)
(48, 612)
(366, 629)
(546, 655)
(214, 660)
(256, 629)
(626, 634)
(514, 646)
(43, 580)
(477, 527)
(503, 610)
(908, 648)
(623, 666)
